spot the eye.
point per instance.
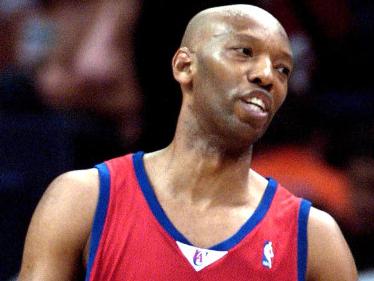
(284, 70)
(248, 52)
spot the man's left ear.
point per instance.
(181, 63)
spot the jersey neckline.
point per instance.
(168, 226)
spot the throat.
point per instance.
(210, 228)
(206, 197)
(206, 220)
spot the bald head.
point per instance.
(230, 56)
(214, 22)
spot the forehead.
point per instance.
(256, 28)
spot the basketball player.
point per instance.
(195, 210)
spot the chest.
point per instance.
(139, 239)
(206, 227)
(148, 243)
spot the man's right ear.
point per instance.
(182, 65)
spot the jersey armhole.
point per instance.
(100, 215)
(302, 239)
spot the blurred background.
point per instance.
(84, 81)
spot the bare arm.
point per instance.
(329, 257)
(60, 228)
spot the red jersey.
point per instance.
(133, 239)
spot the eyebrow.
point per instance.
(248, 37)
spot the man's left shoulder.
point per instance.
(329, 256)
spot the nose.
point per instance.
(261, 73)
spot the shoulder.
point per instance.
(281, 193)
(72, 197)
(77, 180)
(60, 226)
(72, 187)
(329, 257)
(70, 200)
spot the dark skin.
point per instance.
(233, 68)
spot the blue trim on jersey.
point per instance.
(100, 215)
(162, 218)
(302, 239)
(152, 201)
(253, 220)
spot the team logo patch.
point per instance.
(200, 258)
(268, 255)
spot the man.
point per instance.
(92, 50)
(195, 210)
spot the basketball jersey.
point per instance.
(133, 239)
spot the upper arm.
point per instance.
(60, 227)
(329, 257)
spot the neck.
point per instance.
(203, 175)
(198, 135)
(202, 165)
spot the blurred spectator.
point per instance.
(69, 98)
(361, 174)
(92, 65)
(304, 172)
(366, 275)
(360, 170)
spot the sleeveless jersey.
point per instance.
(133, 239)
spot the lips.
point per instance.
(259, 100)
(255, 108)
(257, 103)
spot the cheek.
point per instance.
(214, 70)
(216, 82)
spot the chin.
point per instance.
(242, 140)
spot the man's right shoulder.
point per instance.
(78, 186)
(83, 178)
(60, 227)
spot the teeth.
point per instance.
(258, 102)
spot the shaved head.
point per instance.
(230, 56)
(214, 21)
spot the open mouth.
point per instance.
(259, 100)
(257, 103)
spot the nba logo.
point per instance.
(268, 254)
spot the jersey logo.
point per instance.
(200, 258)
(268, 255)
